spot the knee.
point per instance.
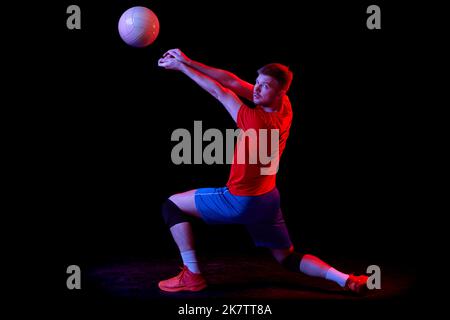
(292, 261)
(281, 254)
(172, 214)
(173, 198)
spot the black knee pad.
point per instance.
(292, 261)
(172, 214)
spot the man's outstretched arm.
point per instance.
(228, 98)
(227, 79)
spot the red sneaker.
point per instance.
(184, 281)
(357, 284)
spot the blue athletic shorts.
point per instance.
(261, 214)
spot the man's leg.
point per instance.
(313, 266)
(175, 212)
(181, 230)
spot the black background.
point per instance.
(99, 157)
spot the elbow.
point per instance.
(222, 93)
(227, 82)
(231, 82)
(216, 93)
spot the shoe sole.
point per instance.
(191, 288)
(361, 292)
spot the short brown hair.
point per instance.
(279, 72)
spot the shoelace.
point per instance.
(180, 276)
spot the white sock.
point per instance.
(190, 260)
(336, 276)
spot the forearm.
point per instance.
(227, 97)
(204, 80)
(222, 76)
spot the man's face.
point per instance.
(266, 90)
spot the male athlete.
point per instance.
(250, 196)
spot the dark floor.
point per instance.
(230, 277)
(239, 279)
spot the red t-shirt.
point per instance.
(257, 174)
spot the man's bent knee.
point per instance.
(186, 202)
(172, 214)
(281, 254)
(292, 262)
